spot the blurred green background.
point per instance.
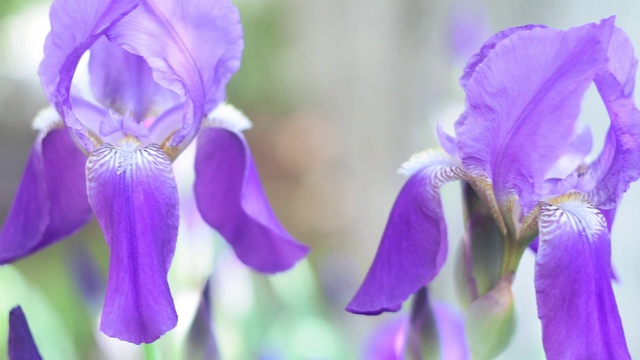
(340, 92)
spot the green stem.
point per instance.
(151, 352)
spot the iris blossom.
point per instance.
(517, 145)
(158, 71)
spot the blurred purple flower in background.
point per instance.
(432, 331)
(21, 343)
(518, 150)
(158, 71)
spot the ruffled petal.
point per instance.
(75, 26)
(576, 304)
(51, 202)
(133, 193)
(525, 96)
(414, 244)
(193, 48)
(122, 81)
(618, 164)
(21, 343)
(478, 58)
(231, 199)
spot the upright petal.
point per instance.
(231, 199)
(622, 61)
(75, 26)
(123, 82)
(193, 48)
(618, 164)
(525, 96)
(414, 244)
(21, 343)
(133, 193)
(51, 202)
(576, 304)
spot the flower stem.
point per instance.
(151, 352)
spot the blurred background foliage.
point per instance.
(340, 93)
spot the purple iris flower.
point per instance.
(518, 147)
(158, 71)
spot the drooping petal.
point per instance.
(133, 193)
(525, 96)
(231, 199)
(414, 244)
(51, 202)
(21, 343)
(192, 47)
(122, 81)
(576, 304)
(618, 164)
(75, 26)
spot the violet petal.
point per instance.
(133, 193)
(193, 48)
(576, 304)
(51, 202)
(21, 343)
(414, 244)
(231, 199)
(526, 96)
(75, 26)
(123, 81)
